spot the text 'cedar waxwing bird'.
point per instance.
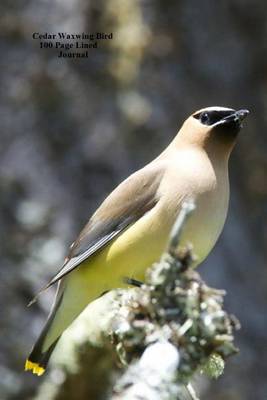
(130, 229)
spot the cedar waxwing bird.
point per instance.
(130, 229)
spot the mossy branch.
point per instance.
(174, 326)
(164, 333)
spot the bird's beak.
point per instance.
(236, 117)
(241, 114)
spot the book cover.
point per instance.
(91, 91)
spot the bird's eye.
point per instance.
(204, 118)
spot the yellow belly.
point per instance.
(130, 254)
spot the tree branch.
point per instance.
(164, 332)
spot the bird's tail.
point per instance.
(39, 355)
(37, 360)
(73, 295)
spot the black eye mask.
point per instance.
(211, 117)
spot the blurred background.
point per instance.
(72, 129)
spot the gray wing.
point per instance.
(124, 206)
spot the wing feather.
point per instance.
(124, 206)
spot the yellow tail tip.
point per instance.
(34, 367)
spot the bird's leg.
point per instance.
(132, 282)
